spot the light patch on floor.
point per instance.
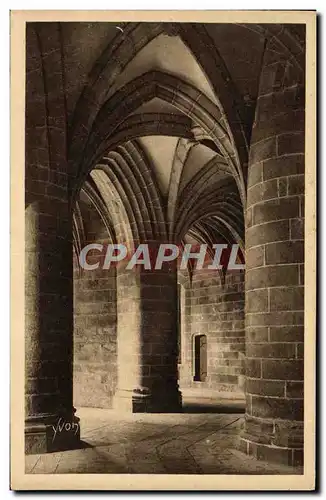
(192, 443)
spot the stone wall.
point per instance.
(216, 310)
(95, 324)
(95, 338)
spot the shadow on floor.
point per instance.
(213, 408)
(82, 445)
(159, 444)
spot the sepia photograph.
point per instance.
(164, 209)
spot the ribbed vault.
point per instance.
(133, 95)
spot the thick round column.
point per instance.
(50, 420)
(274, 268)
(147, 340)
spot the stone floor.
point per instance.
(202, 441)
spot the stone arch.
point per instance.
(127, 186)
(141, 125)
(101, 206)
(211, 192)
(183, 96)
(136, 36)
(78, 230)
(109, 65)
(128, 172)
(285, 38)
(116, 57)
(230, 101)
(180, 156)
(125, 230)
(141, 165)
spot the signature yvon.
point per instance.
(64, 426)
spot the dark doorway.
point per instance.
(200, 358)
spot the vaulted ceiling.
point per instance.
(178, 98)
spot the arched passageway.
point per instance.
(197, 147)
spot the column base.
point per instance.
(143, 401)
(278, 442)
(45, 434)
(274, 454)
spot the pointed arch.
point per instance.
(125, 46)
(180, 157)
(91, 191)
(78, 230)
(212, 195)
(183, 96)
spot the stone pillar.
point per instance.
(49, 413)
(147, 340)
(50, 421)
(273, 427)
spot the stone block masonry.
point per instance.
(216, 309)
(149, 158)
(95, 338)
(95, 322)
(273, 427)
(48, 253)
